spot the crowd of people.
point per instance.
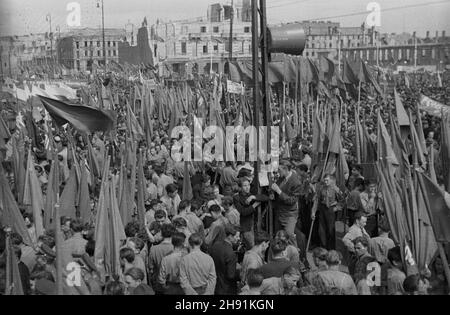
(212, 243)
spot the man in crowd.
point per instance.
(169, 271)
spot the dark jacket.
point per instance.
(286, 204)
(275, 268)
(245, 210)
(225, 261)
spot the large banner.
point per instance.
(433, 107)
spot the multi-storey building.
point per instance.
(83, 48)
(203, 44)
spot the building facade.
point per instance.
(201, 45)
(83, 49)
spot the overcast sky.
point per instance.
(28, 16)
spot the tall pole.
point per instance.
(49, 19)
(103, 35)
(231, 31)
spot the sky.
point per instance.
(18, 17)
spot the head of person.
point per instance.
(206, 180)
(334, 258)
(359, 184)
(383, 227)
(133, 278)
(262, 242)
(29, 220)
(172, 190)
(153, 151)
(136, 244)
(291, 276)
(180, 225)
(178, 240)
(412, 284)
(216, 191)
(227, 202)
(65, 223)
(114, 287)
(278, 248)
(320, 256)
(356, 170)
(185, 205)
(232, 234)
(244, 184)
(160, 217)
(361, 246)
(284, 168)
(302, 169)
(167, 230)
(132, 229)
(395, 257)
(329, 180)
(195, 241)
(247, 174)
(77, 225)
(216, 211)
(360, 219)
(126, 256)
(255, 278)
(371, 187)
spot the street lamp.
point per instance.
(103, 30)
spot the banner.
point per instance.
(235, 88)
(433, 107)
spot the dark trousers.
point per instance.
(351, 216)
(327, 227)
(173, 289)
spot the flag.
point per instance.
(445, 150)
(348, 75)
(11, 213)
(134, 128)
(402, 116)
(83, 118)
(385, 151)
(187, 187)
(69, 196)
(52, 191)
(32, 195)
(141, 186)
(13, 279)
(84, 203)
(437, 208)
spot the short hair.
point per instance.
(47, 240)
(155, 202)
(136, 273)
(371, 182)
(411, 284)
(167, 230)
(303, 168)
(184, 204)
(286, 164)
(178, 239)
(131, 229)
(291, 271)
(278, 246)
(320, 253)
(395, 255)
(16, 239)
(127, 254)
(195, 240)
(179, 223)
(160, 214)
(243, 173)
(227, 200)
(242, 180)
(171, 188)
(334, 258)
(261, 237)
(361, 240)
(90, 248)
(230, 230)
(330, 176)
(360, 182)
(359, 215)
(76, 225)
(139, 243)
(255, 278)
(215, 209)
(357, 167)
(114, 287)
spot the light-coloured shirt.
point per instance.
(233, 216)
(379, 248)
(197, 270)
(369, 205)
(252, 260)
(353, 233)
(171, 204)
(76, 245)
(216, 231)
(170, 268)
(162, 183)
(194, 224)
(333, 279)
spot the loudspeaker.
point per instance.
(289, 39)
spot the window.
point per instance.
(216, 29)
(78, 45)
(86, 53)
(205, 49)
(109, 53)
(114, 44)
(433, 53)
(114, 53)
(408, 54)
(109, 44)
(183, 48)
(247, 29)
(424, 52)
(85, 44)
(98, 43)
(312, 45)
(90, 43)
(78, 55)
(331, 45)
(216, 48)
(98, 53)
(203, 29)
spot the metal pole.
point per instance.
(231, 31)
(103, 35)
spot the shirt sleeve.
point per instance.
(184, 281)
(212, 278)
(162, 272)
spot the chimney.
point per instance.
(428, 34)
